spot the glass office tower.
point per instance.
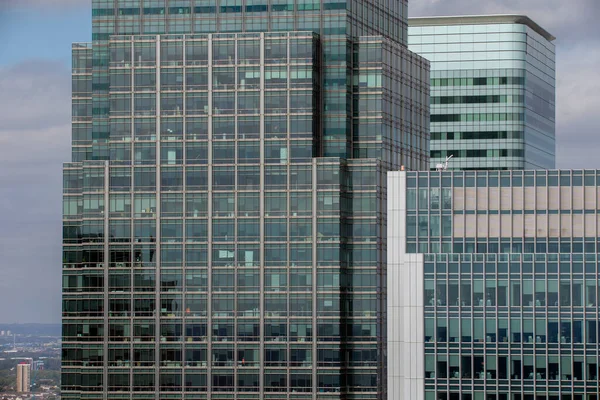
(498, 273)
(225, 207)
(493, 91)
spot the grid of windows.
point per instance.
(335, 20)
(219, 252)
(214, 248)
(524, 320)
(509, 274)
(489, 74)
(502, 212)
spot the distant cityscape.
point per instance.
(30, 361)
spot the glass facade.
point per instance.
(338, 22)
(507, 265)
(492, 91)
(225, 206)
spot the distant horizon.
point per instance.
(21, 330)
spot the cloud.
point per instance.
(571, 22)
(578, 85)
(574, 23)
(34, 95)
(550, 13)
(34, 142)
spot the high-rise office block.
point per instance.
(497, 275)
(23, 379)
(225, 207)
(492, 90)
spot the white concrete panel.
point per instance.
(494, 226)
(505, 225)
(482, 226)
(553, 225)
(517, 198)
(405, 302)
(517, 225)
(494, 198)
(542, 225)
(482, 198)
(414, 322)
(529, 199)
(541, 198)
(470, 225)
(577, 221)
(553, 198)
(590, 197)
(505, 198)
(470, 199)
(529, 225)
(590, 225)
(458, 198)
(566, 198)
(458, 225)
(578, 197)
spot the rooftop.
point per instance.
(481, 20)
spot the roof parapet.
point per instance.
(481, 20)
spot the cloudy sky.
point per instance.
(35, 116)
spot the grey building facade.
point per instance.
(225, 206)
(497, 277)
(492, 90)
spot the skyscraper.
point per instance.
(492, 90)
(23, 379)
(225, 207)
(497, 273)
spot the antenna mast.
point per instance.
(443, 166)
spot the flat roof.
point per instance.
(481, 20)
